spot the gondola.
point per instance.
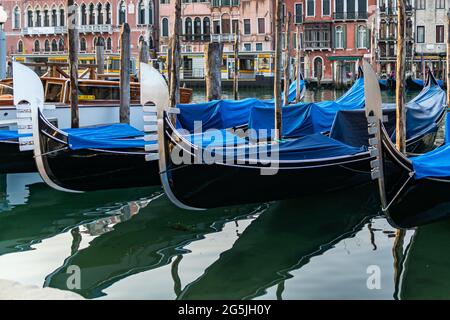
(314, 163)
(387, 84)
(414, 190)
(419, 84)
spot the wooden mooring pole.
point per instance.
(298, 96)
(400, 78)
(100, 56)
(213, 72)
(236, 67)
(73, 38)
(278, 69)
(143, 54)
(175, 58)
(125, 56)
(287, 58)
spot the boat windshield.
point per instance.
(6, 92)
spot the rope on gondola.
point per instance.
(411, 175)
(50, 152)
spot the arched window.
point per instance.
(82, 44)
(46, 18)
(38, 17)
(141, 39)
(20, 46)
(47, 45)
(226, 23)
(108, 13)
(54, 45)
(61, 44)
(150, 12)
(30, 19)
(150, 42)
(197, 28)
(62, 17)
(100, 14)
(54, 18)
(122, 12)
(141, 12)
(318, 67)
(16, 20)
(165, 27)
(37, 46)
(83, 15)
(109, 44)
(362, 37)
(339, 37)
(91, 14)
(206, 28)
(188, 28)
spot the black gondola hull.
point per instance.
(12, 160)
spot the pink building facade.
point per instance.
(37, 30)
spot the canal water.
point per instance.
(134, 244)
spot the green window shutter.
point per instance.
(333, 38)
(368, 38)
(357, 37)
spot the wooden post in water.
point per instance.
(73, 38)
(400, 79)
(278, 70)
(448, 59)
(125, 56)
(143, 54)
(213, 72)
(236, 67)
(298, 97)
(175, 59)
(100, 56)
(287, 58)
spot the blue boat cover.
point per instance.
(421, 83)
(305, 118)
(223, 114)
(435, 163)
(10, 134)
(315, 146)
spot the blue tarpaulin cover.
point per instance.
(435, 163)
(421, 83)
(222, 114)
(306, 118)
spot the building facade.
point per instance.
(37, 30)
(386, 37)
(335, 35)
(430, 41)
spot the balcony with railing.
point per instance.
(31, 31)
(223, 37)
(94, 28)
(317, 45)
(352, 15)
(189, 37)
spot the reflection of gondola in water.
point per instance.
(282, 239)
(149, 240)
(425, 274)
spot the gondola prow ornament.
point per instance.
(374, 115)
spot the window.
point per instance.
(54, 18)
(362, 37)
(439, 34)
(298, 13)
(247, 47)
(261, 25)
(188, 28)
(259, 46)
(16, 21)
(82, 44)
(108, 13)
(197, 28)
(100, 14)
(61, 44)
(420, 4)
(109, 44)
(37, 46)
(30, 18)
(440, 4)
(20, 46)
(247, 27)
(38, 18)
(420, 34)
(122, 13)
(351, 9)
(61, 17)
(141, 15)
(150, 12)
(83, 15)
(54, 45)
(91, 14)
(310, 8)
(207, 28)
(339, 38)
(165, 27)
(46, 18)
(47, 46)
(326, 7)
